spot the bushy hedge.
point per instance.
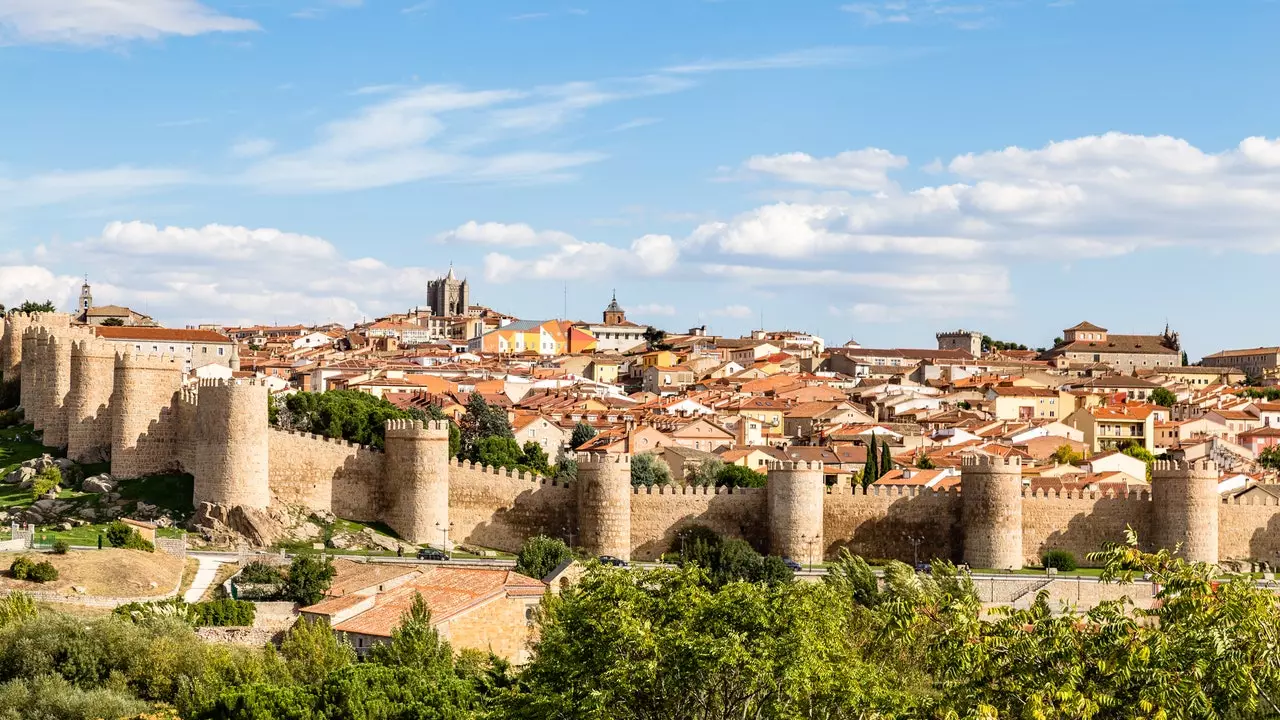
(214, 613)
(1059, 560)
(43, 572)
(20, 568)
(61, 547)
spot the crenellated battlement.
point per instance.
(980, 462)
(794, 465)
(1175, 467)
(600, 459)
(328, 440)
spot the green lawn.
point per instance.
(170, 492)
(87, 535)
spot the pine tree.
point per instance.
(886, 459)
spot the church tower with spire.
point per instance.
(86, 298)
(614, 314)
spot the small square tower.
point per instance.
(969, 341)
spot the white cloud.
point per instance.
(961, 14)
(855, 169)
(94, 22)
(795, 59)
(650, 255)
(398, 140)
(220, 273)
(1095, 196)
(922, 291)
(636, 123)
(57, 187)
(19, 283)
(797, 230)
(732, 311)
(252, 147)
(652, 309)
(513, 235)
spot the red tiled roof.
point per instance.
(151, 334)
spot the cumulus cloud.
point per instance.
(866, 169)
(221, 273)
(509, 235)
(650, 255)
(94, 22)
(732, 311)
(1095, 196)
(652, 309)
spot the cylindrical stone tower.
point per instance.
(1185, 505)
(28, 371)
(89, 403)
(417, 471)
(142, 432)
(991, 494)
(15, 326)
(231, 444)
(796, 492)
(604, 504)
(57, 386)
(39, 359)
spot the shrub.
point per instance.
(258, 572)
(43, 572)
(118, 533)
(540, 555)
(48, 479)
(309, 578)
(21, 567)
(1060, 560)
(223, 613)
(61, 547)
(137, 542)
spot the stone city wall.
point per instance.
(88, 397)
(658, 514)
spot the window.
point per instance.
(222, 351)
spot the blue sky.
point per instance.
(875, 169)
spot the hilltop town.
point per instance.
(481, 428)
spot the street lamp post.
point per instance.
(915, 549)
(444, 536)
(809, 541)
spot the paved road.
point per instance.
(204, 577)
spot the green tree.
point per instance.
(656, 339)
(740, 476)
(662, 645)
(29, 306)
(648, 469)
(1066, 455)
(1162, 396)
(311, 650)
(45, 481)
(416, 644)
(582, 432)
(351, 415)
(481, 421)
(540, 555)
(886, 459)
(308, 579)
(1270, 457)
(536, 459)
(705, 473)
(500, 452)
(113, 322)
(1134, 450)
(871, 468)
(924, 462)
(118, 533)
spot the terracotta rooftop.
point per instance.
(152, 334)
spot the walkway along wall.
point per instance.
(78, 391)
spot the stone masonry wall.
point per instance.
(1249, 529)
(501, 508)
(144, 432)
(877, 522)
(658, 515)
(324, 474)
(1080, 522)
(89, 403)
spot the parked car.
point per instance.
(431, 554)
(611, 560)
(792, 564)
